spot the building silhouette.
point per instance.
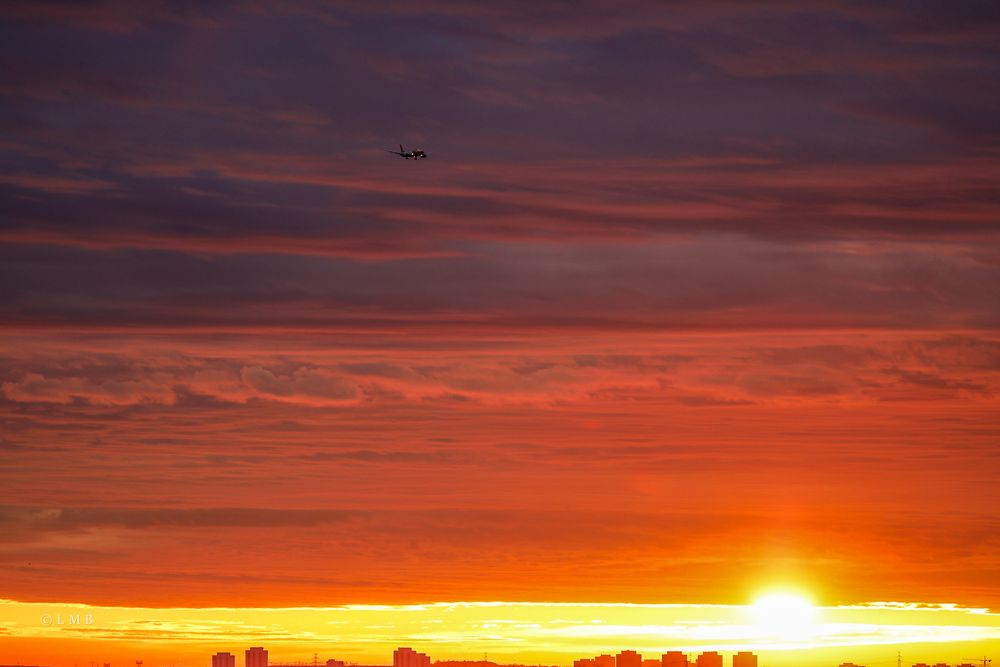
(709, 659)
(407, 657)
(673, 659)
(256, 657)
(223, 660)
(335, 663)
(628, 659)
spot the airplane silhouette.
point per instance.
(415, 154)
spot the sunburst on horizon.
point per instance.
(785, 614)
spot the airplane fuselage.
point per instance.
(408, 155)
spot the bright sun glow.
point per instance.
(784, 615)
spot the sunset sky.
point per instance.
(690, 301)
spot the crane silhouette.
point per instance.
(986, 661)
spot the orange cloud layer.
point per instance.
(668, 471)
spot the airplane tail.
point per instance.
(401, 148)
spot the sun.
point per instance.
(784, 615)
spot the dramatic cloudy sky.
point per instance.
(689, 298)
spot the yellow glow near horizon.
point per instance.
(785, 615)
(550, 633)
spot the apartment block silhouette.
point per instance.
(407, 657)
(256, 657)
(223, 660)
(709, 659)
(674, 659)
(628, 659)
